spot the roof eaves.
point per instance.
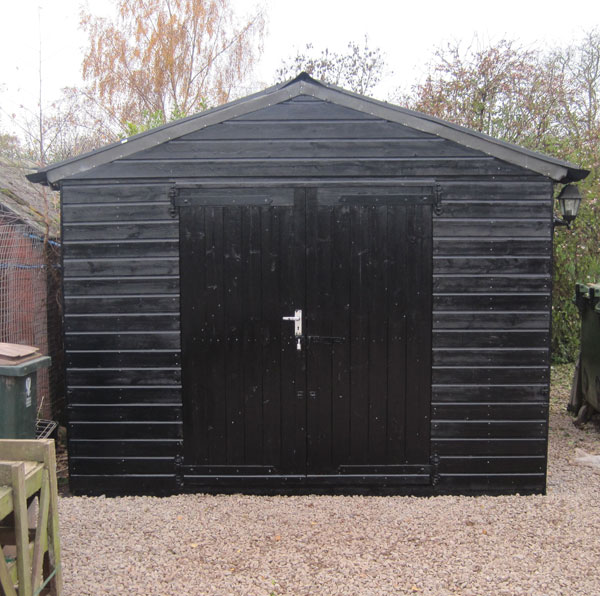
(82, 163)
(558, 170)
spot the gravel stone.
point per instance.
(306, 545)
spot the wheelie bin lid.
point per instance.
(18, 360)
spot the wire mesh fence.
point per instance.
(30, 304)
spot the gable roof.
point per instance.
(556, 169)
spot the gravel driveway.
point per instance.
(263, 546)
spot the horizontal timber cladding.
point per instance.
(492, 297)
(492, 251)
(121, 282)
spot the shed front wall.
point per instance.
(492, 251)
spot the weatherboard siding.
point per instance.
(121, 280)
(492, 247)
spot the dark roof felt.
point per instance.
(556, 169)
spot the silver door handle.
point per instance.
(297, 318)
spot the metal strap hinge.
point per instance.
(437, 199)
(173, 194)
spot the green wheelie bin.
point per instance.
(18, 390)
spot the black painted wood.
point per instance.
(335, 259)
(489, 303)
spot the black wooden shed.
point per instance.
(308, 289)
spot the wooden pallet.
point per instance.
(29, 557)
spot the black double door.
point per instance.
(346, 398)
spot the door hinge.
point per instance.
(437, 199)
(173, 193)
(435, 464)
(179, 470)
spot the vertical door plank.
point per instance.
(233, 222)
(419, 305)
(193, 333)
(272, 311)
(376, 287)
(293, 369)
(359, 330)
(319, 315)
(340, 327)
(215, 361)
(252, 361)
(396, 360)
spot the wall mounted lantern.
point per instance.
(569, 200)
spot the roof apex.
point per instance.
(304, 84)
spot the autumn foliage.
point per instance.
(168, 58)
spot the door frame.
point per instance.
(262, 478)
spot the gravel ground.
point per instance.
(265, 546)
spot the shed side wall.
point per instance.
(492, 283)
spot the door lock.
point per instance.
(297, 318)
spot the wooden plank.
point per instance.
(21, 528)
(290, 110)
(341, 242)
(448, 246)
(491, 284)
(234, 310)
(120, 484)
(271, 264)
(124, 430)
(165, 340)
(502, 209)
(491, 357)
(121, 267)
(251, 344)
(499, 265)
(490, 320)
(122, 322)
(111, 213)
(124, 359)
(92, 194)
(166, 248)
(486, 483)
(125, 448)
(166, 284)
(538, 189)
(517, 228)
(490, 375)
(318, 320)
(141, 230)
(111, 304)
(496, 447)
(307, 149)
(490, 411)
(398, 253)
(490, 339)
(41, 533)
(377, 280)
(476, 464)
(216, 406)
(122, 465)
(419, 306)
(360, 306)
(120, 412)
(290, 129)
(489, 393)
(125, 394)
(293, 368)
(410, 167)
(122, 376)
(490, 302)
(490, 429)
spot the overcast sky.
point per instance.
(406, 31)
